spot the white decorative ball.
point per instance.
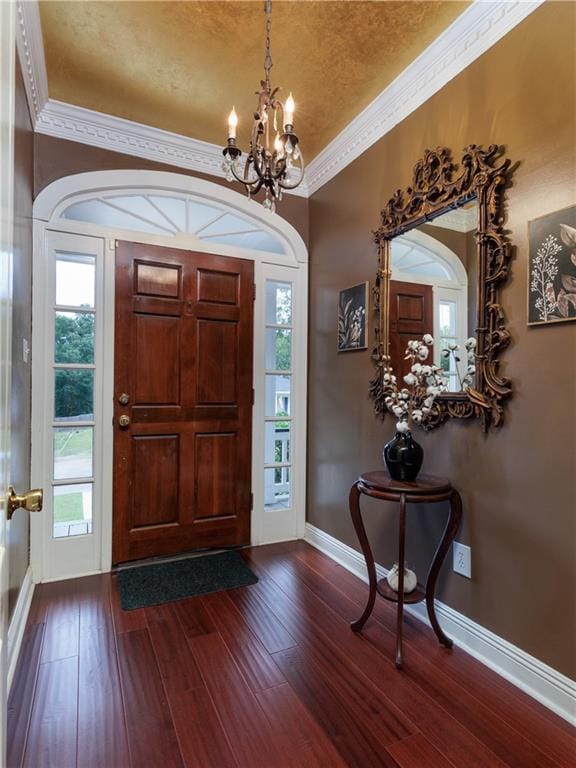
(410, 579)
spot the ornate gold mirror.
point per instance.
(443, 257)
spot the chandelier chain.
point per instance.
(268, 59)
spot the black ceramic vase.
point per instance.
(403, 457)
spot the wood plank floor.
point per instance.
(267, 676)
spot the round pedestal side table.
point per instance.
(426, 489)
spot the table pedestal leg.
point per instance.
(449, 535)
(401, 565)
(363, 539)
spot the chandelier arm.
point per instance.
(260, 170)
(281, 165)
(293, 186)
(251, 186)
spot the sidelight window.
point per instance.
(73, 368)
(278, 396)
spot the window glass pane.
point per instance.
(228, 224)
(74, 395)
(97, 212)
(278, 390)
(173, 207)
(278, 349)
(277, 442)
(453, 383)
(201, 215)
(75, 280)
(259, 241)
(73, 452)
(74, 337)
(278, 303)
(276, 488)
(72, 510)
(447, 318)
(144, 209)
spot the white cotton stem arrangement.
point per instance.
(412, 403)
(410, 579)
(453, 350)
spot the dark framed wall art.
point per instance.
(552, 268)
(353, 318)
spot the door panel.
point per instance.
(183, 356)
(217, 363)
(157, 280)
(215, 490)
(155, 463)
(217, 287)
(411, 316)
(157, 338)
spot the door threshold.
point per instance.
(171, 558)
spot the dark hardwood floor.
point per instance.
(267, 676)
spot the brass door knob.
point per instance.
(31, 500)
(124, 421)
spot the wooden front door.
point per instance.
(182, 401)
(411, 316)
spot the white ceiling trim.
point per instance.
(30, 47)
(67, 121)
(459, 220)
(479, 27)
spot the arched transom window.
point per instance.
(166, 214)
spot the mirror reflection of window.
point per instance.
(441, 254)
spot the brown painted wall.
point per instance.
(18, 528)
(56, 158)
(518, 483)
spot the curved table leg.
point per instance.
(449, 535)
(401, 566)
(361, 533)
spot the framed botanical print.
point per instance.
(353, 318)
(552, 268)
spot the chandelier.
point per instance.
(275, 161)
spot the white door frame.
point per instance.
(7, 95)
(49, 227)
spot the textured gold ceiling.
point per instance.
(182, 65)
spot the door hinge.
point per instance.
(254, 292)
(251, 501)
(253, 396)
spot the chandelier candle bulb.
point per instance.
(232, 124)
(289, 113)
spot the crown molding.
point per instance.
(30, 47)
(458, 220)
(67, 121)
(478, 28)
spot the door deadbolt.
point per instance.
(124, 421)
(124, 399)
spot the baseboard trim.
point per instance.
(18, 624)
(552, 689)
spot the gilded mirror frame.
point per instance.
(438, 186)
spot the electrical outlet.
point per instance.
(461, 559)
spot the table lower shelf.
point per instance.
(386, 591)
